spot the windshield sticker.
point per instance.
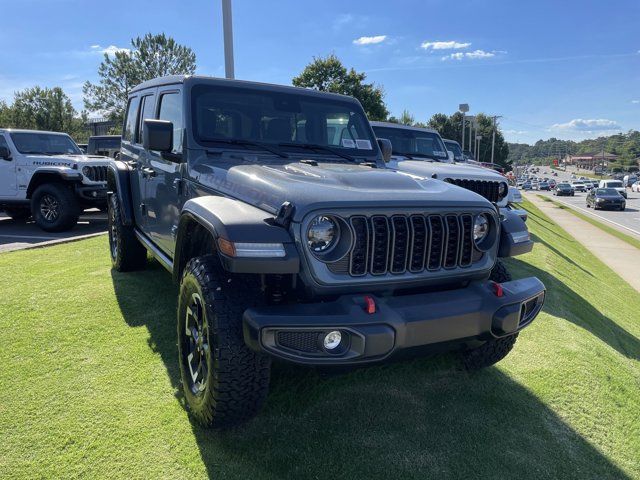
(348, 143)
(363, 144)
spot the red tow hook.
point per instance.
(369, 305)
(497, 289)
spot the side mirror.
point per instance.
(385, 148)
(452, 158)
(5, 153)
(157, 135)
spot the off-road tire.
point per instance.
(126, 252)
(489, 353)
(500, 274)
(233, 380)
(54, 207)
(18, 214)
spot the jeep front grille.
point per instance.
(488, 189)
(399, 243)
(96, 173)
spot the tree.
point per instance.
(406, 118)
(330, 75)
(151, 56)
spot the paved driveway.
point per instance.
(17, 235)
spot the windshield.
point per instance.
(414, 142)
(564, 185)
(613, 184)
(229, 116)
(606, 191)
(44, 143)
(454, 148)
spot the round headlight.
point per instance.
(480, 228)
(322, 234)
(85, 171)
(503, 189)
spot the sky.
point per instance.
(564, 69)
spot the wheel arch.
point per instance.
(43, 176)
(119, 183)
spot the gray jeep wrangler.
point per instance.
(291, 242)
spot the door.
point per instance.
(163, 188)
(130, 154)
(8, 173)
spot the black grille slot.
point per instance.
(399, 244)
(453, 242)
(380, 245)
(359, 252)
(488, 189)
(466, 249)
(437, 242)
(419, 235)
(300, 341)
(97, 173)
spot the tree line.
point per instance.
(157, 55)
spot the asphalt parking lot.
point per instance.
(629, 220)
(16, 235)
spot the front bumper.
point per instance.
(295, 332)
(93, 193)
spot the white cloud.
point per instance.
(590, 125)
(635, 101)
(110, 50)
(448, 45)
(476, 54)
(370, 40)
(515, 132)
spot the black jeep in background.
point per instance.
(290, 240)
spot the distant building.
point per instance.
(589, 161)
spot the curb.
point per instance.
(50, 243)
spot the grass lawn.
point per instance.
(588, 218)
(89, 386)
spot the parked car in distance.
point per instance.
(544, 186)
(455, 149)
(629, 180)
(616, 184)
(564, 189)
(83, 147)
(602, 198)
(636, 187)
(290, 242)
(578, 186)
(552, 183)
(105, 145)
(45, 175)
(527, 186)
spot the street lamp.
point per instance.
(228, 39)
(478, 138)
(463, 108)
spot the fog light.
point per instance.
(332, 340)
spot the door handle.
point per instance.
(148, 172)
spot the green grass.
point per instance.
(89, 386)
(602, 226)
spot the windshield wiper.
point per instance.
(233, 141)
(316, 146)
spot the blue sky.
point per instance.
(569, 69)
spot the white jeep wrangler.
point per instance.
(46, 175)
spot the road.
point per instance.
(627, 221)
(18, 235)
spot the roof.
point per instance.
(22, 130)
(225, 82)
(402, 126)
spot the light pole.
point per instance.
(228, 39)
(463, 108)
(478, 138)
(493, 138)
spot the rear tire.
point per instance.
(18, 214)
(127, 253)
(224, 382)
(489, 353)
(54, 207)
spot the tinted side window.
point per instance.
(146, 111)
(171, 110)
(130, 120)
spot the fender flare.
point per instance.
(65, 174)
(119, 183)
(235, 221)
(514, 235)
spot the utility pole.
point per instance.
(228, 39)
(463, 108)
(493, 138)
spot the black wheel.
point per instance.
(18, 214)
(489, 353)
(224, 382)
(127, 253)
(54, 207)
(500, 274)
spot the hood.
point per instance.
(67, 160)
(329, 185)
(445, 170)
